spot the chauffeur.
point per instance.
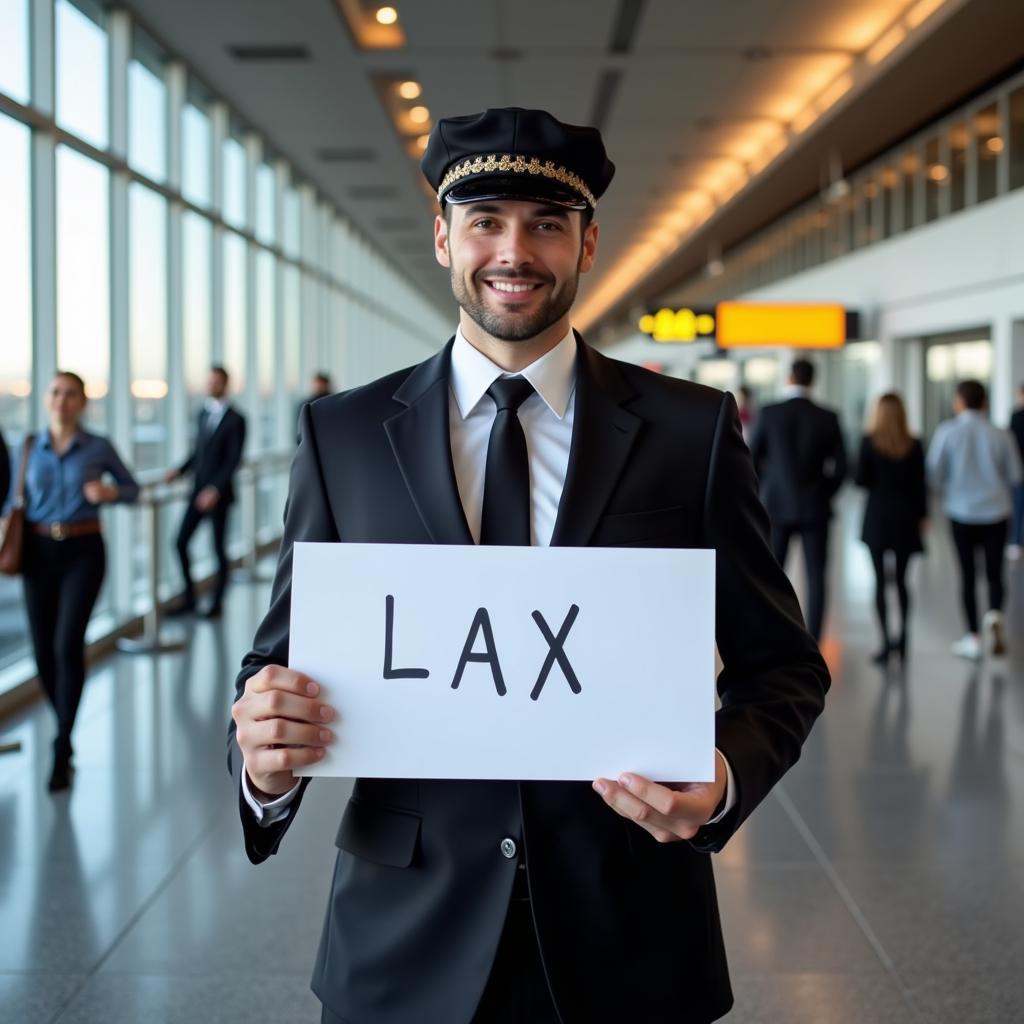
(491, 901)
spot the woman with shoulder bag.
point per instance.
(64, 559)
(891, 469)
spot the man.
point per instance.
(976, 466)
(799, 454)
(213, 464)
(320, 387)
(1013, 549)
(496, 901)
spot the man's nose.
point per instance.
(515, 248)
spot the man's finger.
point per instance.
(689, 803)
(282, 704)
(281, 732)
(629, 806)
(268, 761)
(276, 677)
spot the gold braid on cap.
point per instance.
(514, 165)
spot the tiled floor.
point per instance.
(882, 883)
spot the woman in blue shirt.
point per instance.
(65, 560)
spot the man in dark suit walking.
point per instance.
(531, 902)
(213, 463)
(799, 454)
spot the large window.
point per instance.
(148, 338)
(14, 48)
(292, 219)
(196, 148)
(234, 310)
(1016, 110)
(15, 280)
(235, 193)
(82, 72)
(265, 204)
(83, 283)
(147, 128)
(197, 242)
(265, 362)
(990, 144)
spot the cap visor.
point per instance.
(528, 188)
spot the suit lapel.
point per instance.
(603, 434)
(422, 445)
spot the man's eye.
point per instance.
(549, 225)
(483, 222)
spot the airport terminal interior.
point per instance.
(237, 183)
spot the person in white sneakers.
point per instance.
(975, 466)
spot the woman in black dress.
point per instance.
(891, 469)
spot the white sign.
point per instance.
(465, 662)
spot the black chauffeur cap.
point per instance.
(511, 153)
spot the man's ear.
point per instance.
(588, 253)
(441, 241)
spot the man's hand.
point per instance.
(280, 725)
(670, 811)
(207, 499)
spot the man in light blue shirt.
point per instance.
(975, 467)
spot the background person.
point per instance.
(1013, 549)
(220, 439)
(891, 469)
(65, 559)
(799, 454)
(975, 466)
(319, 387)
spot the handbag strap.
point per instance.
(26, 449)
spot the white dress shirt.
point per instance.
(547, 418)
(214, 409)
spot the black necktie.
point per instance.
(506, 509)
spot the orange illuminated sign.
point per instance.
(780, 324)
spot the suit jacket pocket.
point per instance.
(638, 528)
(384, 835)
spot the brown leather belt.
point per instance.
(65, 531)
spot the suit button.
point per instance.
(508, 848)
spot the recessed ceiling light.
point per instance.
(419, 115)
(421, 142)
(386, 15)
(410, 90)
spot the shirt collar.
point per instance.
(796, 391)
(43, 439)
(215, 405)
(553, 375)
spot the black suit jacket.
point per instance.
(799, 455)
(215, 459)
(5, 472)
(897, 498)
(629, 929)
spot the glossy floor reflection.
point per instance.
(883, 882)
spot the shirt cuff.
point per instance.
(730, 791)
(268, 814)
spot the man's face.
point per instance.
(514, 265)
(217, 385)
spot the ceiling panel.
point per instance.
(703, 82)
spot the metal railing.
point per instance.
(153, 500)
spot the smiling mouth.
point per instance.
(513, 288)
